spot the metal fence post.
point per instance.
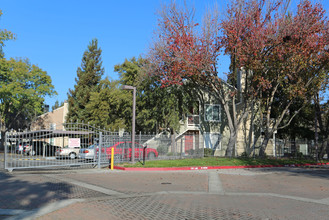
(140, 142)
(181, 148)
(100, 149)
(6, 153)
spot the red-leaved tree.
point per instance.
(282, 56)
(286, 53)
(186, 52)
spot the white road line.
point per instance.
(214, 183)
(86, 185)
(29, 215)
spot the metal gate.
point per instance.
(75, 145)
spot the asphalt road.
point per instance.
(275, 193)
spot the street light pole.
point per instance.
(126, 87)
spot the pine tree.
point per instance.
(87, 81)
(57, 105)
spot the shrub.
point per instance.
(190, 152)
(162, 149)
(244, 154)
(299, 155)
(208, 152)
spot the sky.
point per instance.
(55, 34)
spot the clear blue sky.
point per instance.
(54, 34)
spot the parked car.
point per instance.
(21, 147)
(38, 148)
(67, 152)
(88, 153)
(123, 150)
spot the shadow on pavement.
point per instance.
(30, 192)
(318, 172)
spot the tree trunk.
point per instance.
(262, 148)
(316, 135)
(327, 148)
(322, 150)
(230, 150)
(2, 141)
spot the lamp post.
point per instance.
(126, 87)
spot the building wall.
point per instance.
(51, 120)
(249, 134)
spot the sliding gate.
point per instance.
(74, 146)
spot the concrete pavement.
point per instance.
(276, 193)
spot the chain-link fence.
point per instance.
(50, 147)
(301, 148)
(152, 147)
(81, 145)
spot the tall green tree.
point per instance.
(4, 36)
(23, 87)
(87, 82)
(108, 107)
(156, 107)
(57, 105)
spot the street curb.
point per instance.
(210, 167)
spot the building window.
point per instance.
(212, 112)
(52, 126)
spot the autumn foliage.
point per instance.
(183, 50)
(283, 54)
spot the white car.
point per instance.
(88, 153)
(67, 152)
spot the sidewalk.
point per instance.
(267, 193)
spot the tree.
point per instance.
(87, 81)
(152, 114)
(280, 54)
(321, 121)
(4, 36)
(23, 87)
(111, 107)
(187, 53)
(324, 128)
(108, 106)
(57, 105)
(301, 127)
(286, 53)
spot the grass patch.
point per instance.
(219, 161)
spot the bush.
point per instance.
(208, 152)
(162, 150)
(173, 154)
(190, 152)
(244, 154)
(299, 155)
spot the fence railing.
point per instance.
(79, 145)
(301, 148)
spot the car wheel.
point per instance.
(151, 156)
(72, 156)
